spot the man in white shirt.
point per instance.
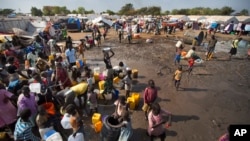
(71, 55)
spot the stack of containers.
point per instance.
(96, 121)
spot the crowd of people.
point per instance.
(69, 87)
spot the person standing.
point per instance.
(234, 45)
(150, 95)
(211, 47)
(26, 100)
(107, 57)
(32, 58)
(7, 118)
(70, 53)
(128, 82)
(177, 77)
(23, 129)
(156, 120)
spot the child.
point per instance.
(177, 56)
(190, 65)
(128, 82)
(126, 129)
(120, 36)
(177, 77)
(92, 100)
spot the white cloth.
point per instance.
(33, 58)
(78, 137)
(65, 121)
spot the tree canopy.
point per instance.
(6, 12)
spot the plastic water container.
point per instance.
(50, 108)
(55, 137)
(79, 63)
(49, 133)
(131, 102)
(96, 117)
(134, 73)
(108, 96)
(96, 77)
(101, 85)
(178, 44)
(116, 80)
(98, 126)
(136, 97)
(97, 70)
(183, 53)
(106, 49)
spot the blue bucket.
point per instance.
(49, 133)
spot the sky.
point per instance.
(98, 6)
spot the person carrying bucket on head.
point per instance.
(235, 44)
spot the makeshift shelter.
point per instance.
(73, 24)
(222, 19)
(197, 18)
(102, 19)
(178, 18)
(243, 19)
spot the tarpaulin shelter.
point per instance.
(73, 24)
(179, 18)
(102, 19)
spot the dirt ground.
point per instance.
(213, 97)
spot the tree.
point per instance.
(36, 12)
(244, 12)
(127, 9)
(90, 12)
(47, 11)
(166, 12)
(154, 10)
(110, 12)
(81, 10)
(174, 12)
(6, 12)
(142, 11)
(226, 10)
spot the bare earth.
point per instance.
(216, 95)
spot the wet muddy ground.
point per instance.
(213, 97)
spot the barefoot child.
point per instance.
(190, 65)
(92, 100)
(177, 77)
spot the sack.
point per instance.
(4, 136)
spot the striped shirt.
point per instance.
(23, 131)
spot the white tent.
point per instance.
(222, 19)
(197, 18)
(245, 19)
(101, 19)
(178, 18)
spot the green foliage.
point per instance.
(110, 12)
(80, 10)
(52, 10)
(203, 11)
(244, 12)
(127, 9)
(36, 12)
(6, 12)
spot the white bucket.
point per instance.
(97, 70)
(178, 44)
